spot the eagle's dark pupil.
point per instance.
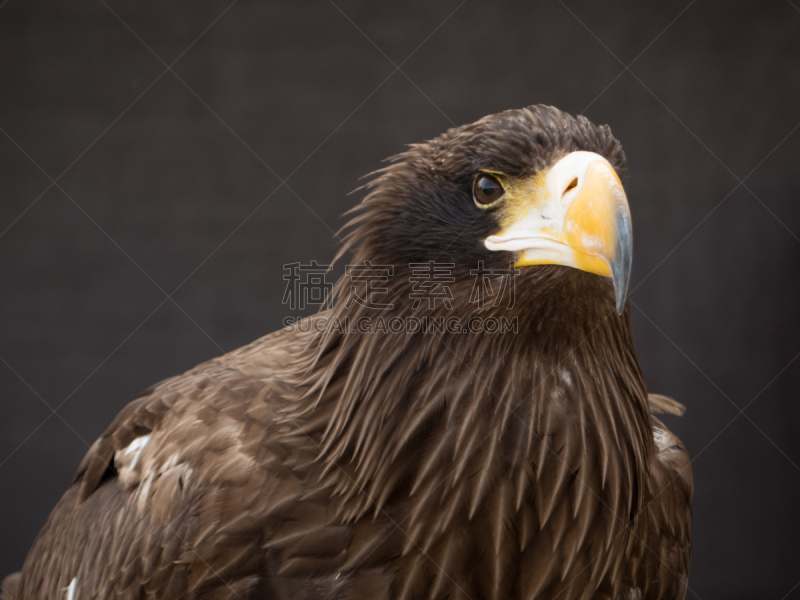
(488, 189)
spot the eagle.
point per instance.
(466, 418)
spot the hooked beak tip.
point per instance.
(623, 258)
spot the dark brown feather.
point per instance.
(321, 464)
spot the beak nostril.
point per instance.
(572, 185)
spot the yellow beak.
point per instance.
(575, 215)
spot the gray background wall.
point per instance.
(168, 185)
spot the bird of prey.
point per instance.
(358, 455)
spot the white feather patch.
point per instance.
(135, 448)
(127, 460)
(70, 589)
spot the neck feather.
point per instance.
(405, 409)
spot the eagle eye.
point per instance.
(486, 190)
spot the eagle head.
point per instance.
(534, 187)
